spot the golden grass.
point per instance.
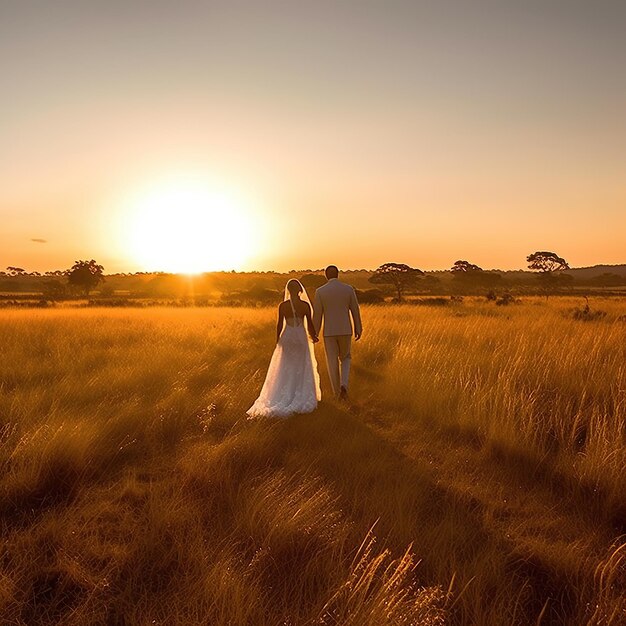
(477, 478)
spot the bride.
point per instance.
(292, 384)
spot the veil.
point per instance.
(304, 296)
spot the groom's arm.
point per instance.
(317, 313)
(356, 315)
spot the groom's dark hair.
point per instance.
(332, 272)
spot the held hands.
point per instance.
(314, 338)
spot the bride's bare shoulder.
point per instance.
(301, 305)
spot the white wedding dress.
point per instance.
(292, 384)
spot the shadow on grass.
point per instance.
(377, 483)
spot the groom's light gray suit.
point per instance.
(334, 302)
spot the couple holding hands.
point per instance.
(292, 384)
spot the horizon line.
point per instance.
(299, 271)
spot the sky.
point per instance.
(347, 132)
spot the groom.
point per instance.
(334, 301)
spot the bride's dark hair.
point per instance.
(294, 287)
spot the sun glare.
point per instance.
(189, 225)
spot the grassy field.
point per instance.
(476, 477)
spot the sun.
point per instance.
(189, 225)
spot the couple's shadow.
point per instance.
(376, 483)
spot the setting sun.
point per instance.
(313, 312)
(188, 225)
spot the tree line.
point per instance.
(259, 288)
(402, 277)
(85, 276)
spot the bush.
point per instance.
(439, 301)
(370, 296)
(255, 297)
(112, 302)
(586, 314)
(505, 299)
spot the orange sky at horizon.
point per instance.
(358, 133)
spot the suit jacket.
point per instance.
(334, 301)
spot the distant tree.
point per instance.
(159, 285)
(15, 271)
(399, 275)
(54, 289)
(430, 283)
(107, 290)
(86, 275)
(370, 296)
(463, 267)
(255, 296)
(468, 276)
(608, 280)
(548, 264)
(311, 282)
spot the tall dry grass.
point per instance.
(477, 477)
(528, 380)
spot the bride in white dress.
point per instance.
(292, 384)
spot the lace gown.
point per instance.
(292, 384)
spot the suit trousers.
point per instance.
(337, 348)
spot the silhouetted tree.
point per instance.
(463, 267)
(469, 276)
(548, 264)
(399, 275)
(15, 271)
(86, 275)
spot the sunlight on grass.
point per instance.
(483, 457)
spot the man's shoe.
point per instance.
(343, 393)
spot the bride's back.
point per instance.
(294, 311)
